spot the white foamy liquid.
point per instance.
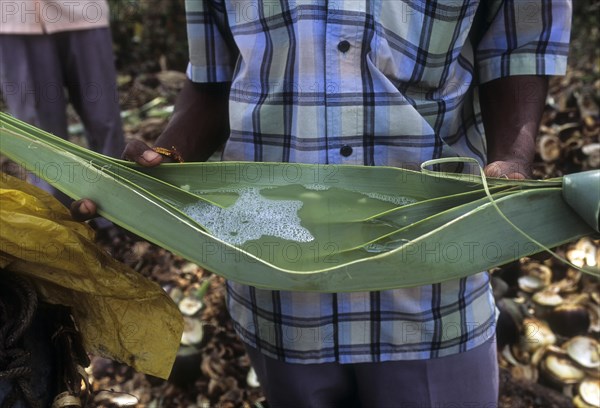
(251, 217)
(392, 199)
(316, 187)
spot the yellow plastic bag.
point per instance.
(121, 314)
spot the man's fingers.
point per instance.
(84, 209)
(136, 151)
(515, 176)
(139, 152)
(503, 169)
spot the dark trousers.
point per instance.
(35, 72)
(468, 379)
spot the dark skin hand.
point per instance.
(200, 124)
(511, 108)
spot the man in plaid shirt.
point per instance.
(370, 83)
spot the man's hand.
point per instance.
(136, 151)
(512, 109)
(506, 169)
(84, 209)
(198, 127)
(142, 154)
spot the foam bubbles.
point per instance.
(398, 200)
(251, 217)
(316, 187)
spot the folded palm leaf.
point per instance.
(326, 228)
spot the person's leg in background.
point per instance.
(91, 80)
(33, 89)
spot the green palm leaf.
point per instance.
(314, 227)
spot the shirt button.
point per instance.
(343, 46)
(346, 151)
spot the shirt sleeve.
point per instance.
(212, 51)
(524, 38)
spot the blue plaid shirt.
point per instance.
(387, 82)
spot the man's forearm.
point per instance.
(200, 122)
(512, 109)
